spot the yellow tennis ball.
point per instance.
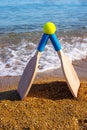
(49, 28)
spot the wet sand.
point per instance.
(49, 104)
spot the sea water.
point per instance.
(21, 28)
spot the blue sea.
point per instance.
(21, 28)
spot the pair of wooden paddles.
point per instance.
(32, 66)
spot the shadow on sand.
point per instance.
(53, 91)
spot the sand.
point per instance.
(49, 104)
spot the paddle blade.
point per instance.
(28, 76)
(70, 73)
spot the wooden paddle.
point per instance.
(31, 68)
(67, 67)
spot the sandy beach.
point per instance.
(49, 104)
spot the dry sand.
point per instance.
(49, 105)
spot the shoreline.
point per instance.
(13, 60)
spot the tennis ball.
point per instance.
(49, 28)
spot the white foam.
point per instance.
(77, 50)
(14, 58)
